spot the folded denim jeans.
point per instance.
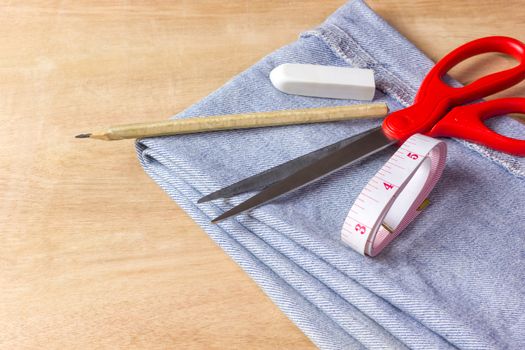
(453, 279)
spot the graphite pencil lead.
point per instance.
(83, 136)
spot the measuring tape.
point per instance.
(395, 195)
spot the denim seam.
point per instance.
(355, 55)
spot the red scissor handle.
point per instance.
(471, 117)
(435, 98)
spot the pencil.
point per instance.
(239, 121)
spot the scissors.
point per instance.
(439, 110)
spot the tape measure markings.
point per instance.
(389, 202)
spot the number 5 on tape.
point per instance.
(390, 201)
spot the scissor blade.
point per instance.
(374, 142)
(259, 181)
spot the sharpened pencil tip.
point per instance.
(83, 136)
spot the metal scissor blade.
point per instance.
(277, 173)
(371, 143)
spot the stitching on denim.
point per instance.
(512, 165)
(354, 54)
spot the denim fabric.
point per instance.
(453, 278)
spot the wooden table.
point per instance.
(92, 253)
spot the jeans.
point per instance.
(453, 278)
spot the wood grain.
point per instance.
(92, 253)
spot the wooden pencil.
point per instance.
(239, 121)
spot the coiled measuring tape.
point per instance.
(395, 195)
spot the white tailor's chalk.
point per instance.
(324, 81)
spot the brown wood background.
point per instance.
(92, 253)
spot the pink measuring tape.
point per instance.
(394, 196)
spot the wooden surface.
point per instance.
(92, 253)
